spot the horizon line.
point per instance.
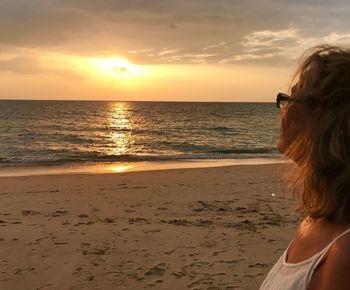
(126, 101)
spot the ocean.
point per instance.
(90, 132)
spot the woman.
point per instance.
(315, 134)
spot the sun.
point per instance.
(113, 71)
(115, 67)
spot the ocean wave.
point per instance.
(249, 151)
(91, 158)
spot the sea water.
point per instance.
(90, 132)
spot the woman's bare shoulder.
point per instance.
(334, 271)
(339, 254)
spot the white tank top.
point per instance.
(294, 276)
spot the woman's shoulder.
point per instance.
(333, 272)
(339, 253)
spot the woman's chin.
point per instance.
(280, 147)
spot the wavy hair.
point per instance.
(322, 151)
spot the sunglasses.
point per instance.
(283, 100)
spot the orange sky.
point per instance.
(159, 50)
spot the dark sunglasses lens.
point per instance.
(282, 100)
(283, 104)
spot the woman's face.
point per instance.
(295, 118)
(290, 125)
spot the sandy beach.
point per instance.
(203, 228)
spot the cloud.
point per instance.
(263, 47)
(266, 44)
(266, 38)
(21, 65)
(221, 44)
(334, 37)
(278, 47)
(167, 31)
(37, 23)
(167, 52)
(32, 64)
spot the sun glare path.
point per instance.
(120, 126)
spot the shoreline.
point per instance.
(120, 167)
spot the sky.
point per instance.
(154, 50)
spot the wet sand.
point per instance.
(203, 228)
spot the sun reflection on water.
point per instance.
(121, 168)
(120, 129)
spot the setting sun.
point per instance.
(115, 67)
(111, 69)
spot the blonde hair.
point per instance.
(322, 152)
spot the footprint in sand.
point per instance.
(260, 265)
(95, 251)
(155, 283)
(58, 213)
(30, 212)
(162, 208)
(83, 215)
(179, 274)
(137, 277)
(158, 270)
(90, 278)
(203, 223)
(108, 221)
(98, 250)
(177, 222)
(129, 210)
(138, 220)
